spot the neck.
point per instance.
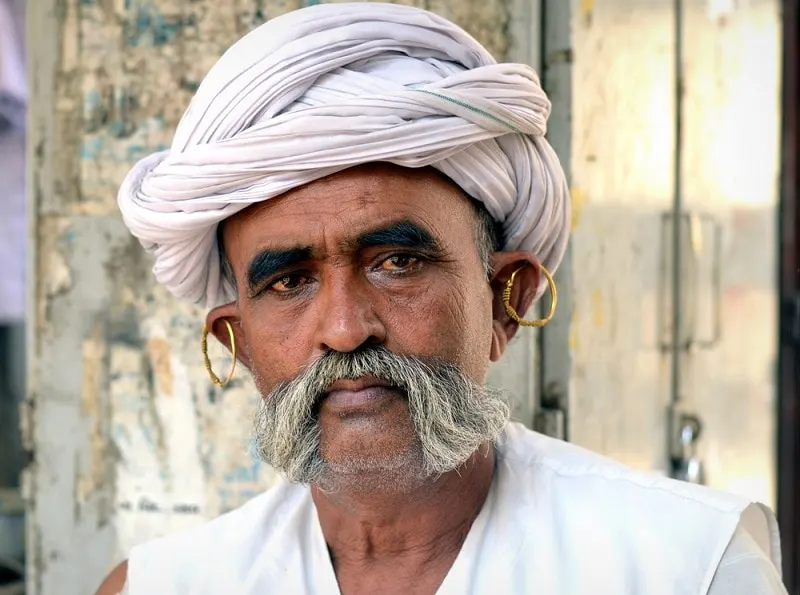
(420, 526)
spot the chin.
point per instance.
(398, 472)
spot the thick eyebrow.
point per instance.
(270, 262)
(403, 234)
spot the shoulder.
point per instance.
(598, 504)
(224, 547)
(538, 458)
(745, 569)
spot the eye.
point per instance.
(289, 283)
(399, 263)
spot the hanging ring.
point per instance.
(513, 314)
(204, 347)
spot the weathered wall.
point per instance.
(129, 440)
(623, 160)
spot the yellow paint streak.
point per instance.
(69, 43)
(93, 351)
(598, 311)
(578, 202)
(159, 352)
(587, 8)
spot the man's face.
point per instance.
(373, 257)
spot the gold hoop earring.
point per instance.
(513, 314)
(204, 347)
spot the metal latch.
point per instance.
(686, 465)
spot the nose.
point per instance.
(346, 317)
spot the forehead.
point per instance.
(341, 206)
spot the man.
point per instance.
(367, 204)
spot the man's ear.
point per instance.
(523, 293)
(215, 322)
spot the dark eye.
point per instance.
(288, 283)
(399, 263)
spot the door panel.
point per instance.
(624, 135)
(730, 174)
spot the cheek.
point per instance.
(446, 321)
(277, 352)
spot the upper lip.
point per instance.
(356, 385)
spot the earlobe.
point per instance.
(499, 341)
(216, 324)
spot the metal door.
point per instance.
(675, 153)
(728, 190)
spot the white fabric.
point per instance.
(558, 520)
(324, 88)
(746, 570)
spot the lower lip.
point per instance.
(352, 400)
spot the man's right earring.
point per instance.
(204, 347)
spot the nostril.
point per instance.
(373, 341)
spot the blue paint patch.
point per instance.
(147, 434)
(148, 27)
(243, 474)
(136, 152)
(310, 2)
(91, 148)
(118, 128)
(92, 100)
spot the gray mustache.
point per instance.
(451, 414)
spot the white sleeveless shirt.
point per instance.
(557, 520)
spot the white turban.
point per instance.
(325, 88)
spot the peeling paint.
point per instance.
(53, 273)
(93, 356)
(160, 355)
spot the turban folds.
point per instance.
(325, 88)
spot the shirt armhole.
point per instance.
(746, 569)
